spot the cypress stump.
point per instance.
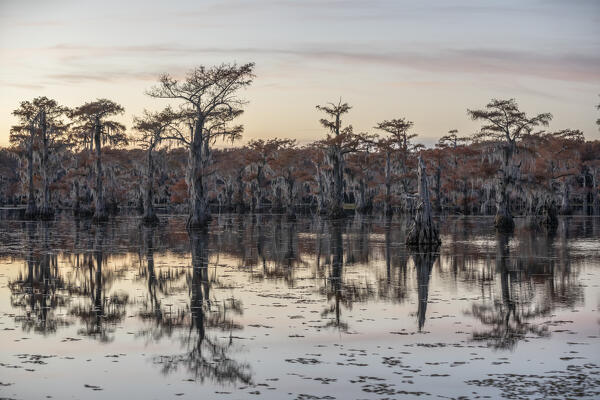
(423, 231)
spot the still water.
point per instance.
(259, 307)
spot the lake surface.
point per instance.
(263, 308)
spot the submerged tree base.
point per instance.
(83, 212)
(423, 235)
(504, 223)
(548, 218)
(566, 211)
(198, 222)
(150, 219)
(31, 212)
(30, 216)
(100, 217)
(46, 214)
(290, 215)
(241, 208)
(336, 213)
(423, 231)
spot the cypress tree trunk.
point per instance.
(387, 207)
(229, 196)
(595, 202)
(362, 203)
(565, 206)
(290, 213)
(240, 204)
(483, 210)
(587, 191)
(100, 213)
(548, 214)
(46, 212)
(322, 202)
(336, 209)
(423, 230)
(31, 210)
(438, 188)
(504, 220)
(76, 205)
(149, 213)
(260, 178)
(199, 214)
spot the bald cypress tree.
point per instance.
(396, 148)
(23, 135)
(152, 128)
(504, 125)
(210, 102)
(93, 117)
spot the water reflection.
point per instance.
(423, 260)
(189, 288)
(206, 356)
(36, 291)
(98, 310)
(336, 291)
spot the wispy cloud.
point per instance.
(99, 76)
(562, 67)
(22, 85)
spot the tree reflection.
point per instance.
(394, 287)
(160, 284)
(207, 355)
(423, 259)
(341, 291)
(99, 316)
(69, 276)
(38, 291)
(335, 289)
(510, 318)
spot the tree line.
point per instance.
(81, 158)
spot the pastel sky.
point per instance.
(427, 61)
